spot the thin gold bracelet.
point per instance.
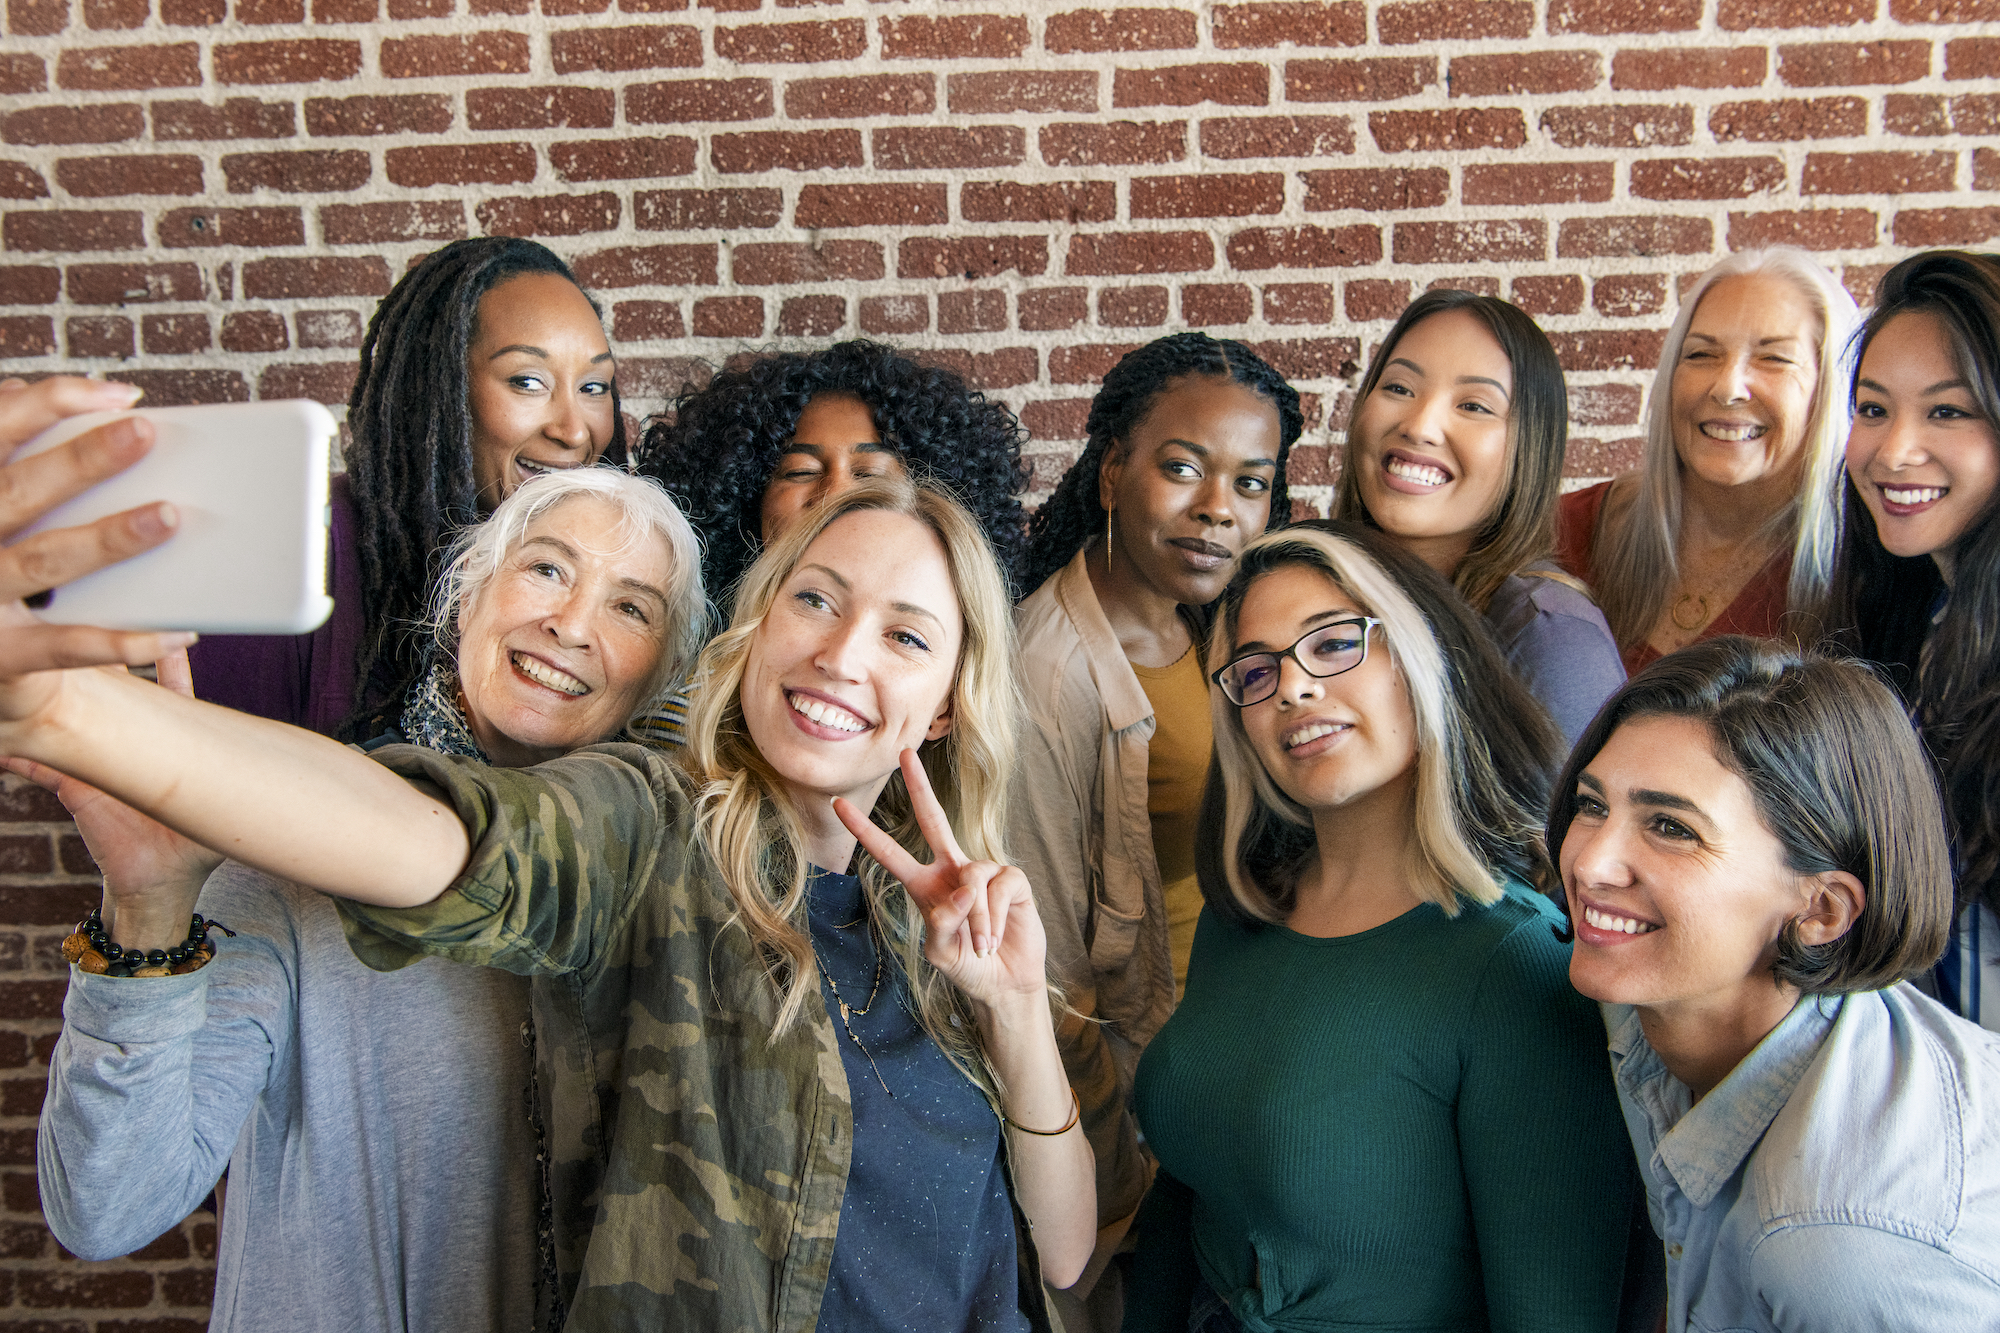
(1075, 1114)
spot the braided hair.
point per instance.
(1073, 515)
(716, 449)
(409, 458)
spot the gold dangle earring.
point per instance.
(1107, 535)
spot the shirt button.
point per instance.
(1674, 1250)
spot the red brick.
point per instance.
(693, 210)
(1304, 247)
(22, 73)
(650, 266)
(956, 37)
(791, 43)
(539, 108)
(264, 13)
(1619, 349)
(1119, 30)
(1051, 308)
(1119, 143)
(1596, 459)
(1609, 16)
(1212, 303)
(1652, 71)
(812, 316)
(617, 159)
(1976, 114)
(197, 1286)
(1707, 178)
(185, 388)
(1060, 420)
(1132, 307)
(84, 335)
(1112, 253)
(1447, 131)
(1383, 79)
(479, 53)
(29, 285)
(1529, 72)
(466, 164)
(857, 205)
(1056, 201)
(130, 284)
(282, 279)
(1207, 196)
(895, 314)
(972, 312)
(1085, 363)
(931, 147)
(66, 1290)
(175, 335)
(27, 335)
(1297, 22)
(196, 228)
(236, 118)
(1490, 240)
(644, 321)
(1633, 237)
(559, 215)
(101, 68)
(299, 60)
(1972, 58)
(18, 180)
(1812, 229)
(1947, 226)
(972, 258)
(73, 229)
(1376, 189)
(684, 100)
(1005, 91)
(774, 263)
(871, 95)
(1538, 183)
(367, 224)
(100, 123)
(254, 331)
(1789, 119)
(1446, 20)
(1298, 303)
(23, 1240)
(1619, 126)
(1311, 358)
(313, 171)
(729, 317)
(1626, 295)
(612, 50)
(1244, 84)
(1847, 64)
(37, 18)
(1738, 15)
(1904, 113)
(1985, 169)
(786, 150)
(481, 8)
(1005, 368)
(1370, 299)
(1604, 405)
(193, 13)
(1277, 136)
(424, 113)
(1879, 173)
(345, 11)
(1944, 11)
(1552, 295)
(23, 802)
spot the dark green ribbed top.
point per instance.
(1409, 1128)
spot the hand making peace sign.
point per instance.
(982, 929)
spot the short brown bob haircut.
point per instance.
(1839, 778)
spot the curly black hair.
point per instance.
(409, 458)
(1072, 516)
(717, 446)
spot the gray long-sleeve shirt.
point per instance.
(374, 1125)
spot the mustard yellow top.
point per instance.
(1176, 768)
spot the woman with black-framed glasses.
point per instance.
(1380, 1103)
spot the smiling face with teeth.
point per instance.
(539, 375)
(1742, 388)
(558, 648)
(1924, 457)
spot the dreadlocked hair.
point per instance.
(1073, 515)
(409, 458)
(718, 445)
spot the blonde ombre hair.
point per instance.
(1485, 750)
(747, 821)
(1634, 562)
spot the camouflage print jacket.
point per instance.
(697, 1163)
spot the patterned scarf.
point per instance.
(431, 716)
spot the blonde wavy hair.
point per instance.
(749, 824)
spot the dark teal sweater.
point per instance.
(1409, 1128)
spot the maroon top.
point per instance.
(1758, 610)
(304, 679)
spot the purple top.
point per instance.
(304, 679)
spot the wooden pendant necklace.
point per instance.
(848, 1013)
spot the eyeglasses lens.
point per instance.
(1327, 651)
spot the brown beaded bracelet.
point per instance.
(92, 951)
(1075, 1114)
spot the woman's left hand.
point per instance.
(982, 929)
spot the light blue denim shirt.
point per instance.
(1845, 1176)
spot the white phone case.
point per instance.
(250, 481)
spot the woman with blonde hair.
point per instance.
(1730, 524)
(788, 1096)
(1379, 1104)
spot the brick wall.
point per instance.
(208, 199)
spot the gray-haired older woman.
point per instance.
(377, 1127)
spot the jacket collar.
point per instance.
(1125, 702)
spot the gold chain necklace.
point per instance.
(848, 1013)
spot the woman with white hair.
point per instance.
(340, 1098)
(1730, 523)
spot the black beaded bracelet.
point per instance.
(92, 951)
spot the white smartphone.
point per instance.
(250, 481)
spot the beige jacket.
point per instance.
(1080, 831)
